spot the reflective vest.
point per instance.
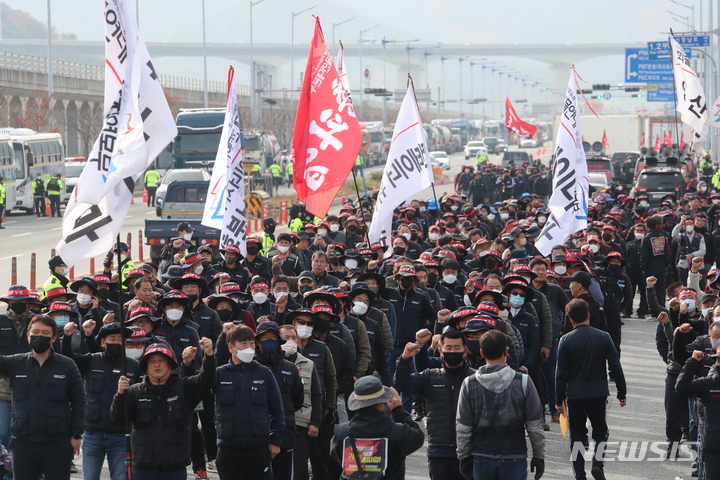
(716, 179)
(54, 186)
(39, 187)
(2, 194)
(152, 178)
(275, 170)
(358, 161)
(267, 244)
(481, 157)
(289, 168)
(52, 282)
(256, 168)
(295, 225)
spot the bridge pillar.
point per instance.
(559, 76)
(71, 127)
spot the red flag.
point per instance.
(668, 139)
(514, 124)
(657, 142)
(682, 140)
(642, 138)
(327, 136)
(605, 142)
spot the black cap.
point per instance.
(121, 247)
(269, 222)
(55, 261)
(185, 226)
(583, 278)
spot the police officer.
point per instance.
(38, 188)
(289, 169)
(161, 441)
(122, 251)
(54, 187)
(268, 235)
(275, 170)
(250, 417)
(58, 275)
(101, 372)
(152, 182)
(48, 400)
(618, 293)
(2, 200)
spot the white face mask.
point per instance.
(454, 207)
(716, 319)
(423, 209)
(705, 311)
(353, 281)
(199, 269)
(123, 258)
(689, 229)
(283, 248)
(279, 295)
(83, 298)
(639, 236)
(593, 248)
(174, 314)
(522, 242)
(491, 216)
(541, 220)
(134, 353)
(644, 204)
(289, 347)
(466, 300)
(187, 236)
(407, 236)
(351, 263)
(434, 236)
(322, 232)
(560, 270)
(360, 308)
(334, 227)
(246, 355)
(304, 332)
(504, 216)
(449, 278)
(259, 298)
(503, 314)
(64, 271)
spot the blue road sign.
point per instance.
(607, 95)
(661, 51)
(640, 69)
(661, 95)
(694, 41)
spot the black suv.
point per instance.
(516, 157)
(658, 182)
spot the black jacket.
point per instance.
(704, 388)
(208, 321)
(597, 314)
(184, 334)
(414, 312)
(162, 417)
(48, 401)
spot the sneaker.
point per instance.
(597, 473)
(73, 468)
(546, 427)
(211, 466)
(555, 418)
(201, 475)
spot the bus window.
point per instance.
(19, 161)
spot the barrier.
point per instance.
(33, 272)
(13, 274)
(48, 211)
(52, 252)
(140, 245)
(129, 244)
(72, 273)
(283, 211)
(92, 266)
(145, 197)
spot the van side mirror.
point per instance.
(30, 159)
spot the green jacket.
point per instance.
(275, 170)
(152, 178)
(54, 186)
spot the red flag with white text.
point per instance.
(682, 140)
(514, 124)
(657, 142)
(605, 142)
(327, 136)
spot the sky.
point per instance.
(446, 21)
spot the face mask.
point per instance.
(639, 236)
(517, 301)
(18, 308)
(259, 298)
(270, 229)
(689, 229)
(246, 356)
(473, 347)
(283, 249)
(702, 189)
(360, 308)
(398, 250)
(715, 344)
(434, 236)
(432, 278)
(253, 250)
(199, 269)
(490, 263)
(350, 263)
(187, 236)
(423, 209)
(83, 298)
(615, 268)
(716, 319)
(705, 311)
(39, 343)
(269, 346)
(114, 349)
(322, 232)
(334, 227)
(304, 332)
(229, 260)
(134, 353)
(289, 347)
(690, 303)
(560, 270)
(62, 320)
(103, 294)
(123, 258)
(644, 204)
(406, 283)
(454, 208)
(522, 242)
(449, 278)
(593, 248)
(64, 272)
(466, 300)
(504, 216)
(541, 220)
(606, 237)
(407, 236)
(304, 288)
(352, 228)
(453, 359)
(491, 216)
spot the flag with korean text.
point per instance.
(691, 100)
(138, 126)
(407, 171)
(568, 204)
(327, 136)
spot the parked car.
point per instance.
(598, 181)
(658, 182)
(441, 158)
(178, 175)
(72, 173)
(473, 148)
(515, 157)
(529, 143)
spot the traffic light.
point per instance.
(637, 95)
(367, 73)
(597, 97)
(601, 86)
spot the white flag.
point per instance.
(342, 71)
(691, 100)
(568, 204)
(407, 170)
(134, 99)
(225, 204)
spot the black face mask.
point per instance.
(414, 237)
(410, 216)
(406, 283)
(615, 268)
(253, 250)
(225, 315)
(606, 237)
(114, 349)
(39, 343)
(453, 359)
(398, 250)
(490, 263)
(473, 347)
(18, 308)
(335, 261)
(270, 229)
(352, 228)
(206, 265)
(192, 298)
(102, 293)
(322, 326)
(432, 278)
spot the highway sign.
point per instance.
(640, 69)
(661, 95)
(607, 95)
(694, 41)
(661, 51)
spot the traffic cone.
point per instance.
(343, 199)
(2, 220)
(145, 199)
(442, 179)
(48, 212)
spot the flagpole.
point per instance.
(123, 371)
(677, 135)
(432, 175)
(362, 213)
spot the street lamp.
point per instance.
(680, 17)
(292, 46)
(460, 60)
(472, 88)
(253, 94)
(690, 7)
(49, 67)
(205, 82)
(385, 42)
(337, 25)
(360, 44)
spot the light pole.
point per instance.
(253, 93)
(360, 44)
(680, 17)
(408, 48)
(205, 83)
(51, 104)
(460, 60)
(337, 25)
(484, 66)
(385, 42)
(292, 47)
(692, 8)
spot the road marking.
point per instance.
(11, 256)
(149, 213)
(12, 221)
(56, 228)
(22, 234)
(128, 216)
